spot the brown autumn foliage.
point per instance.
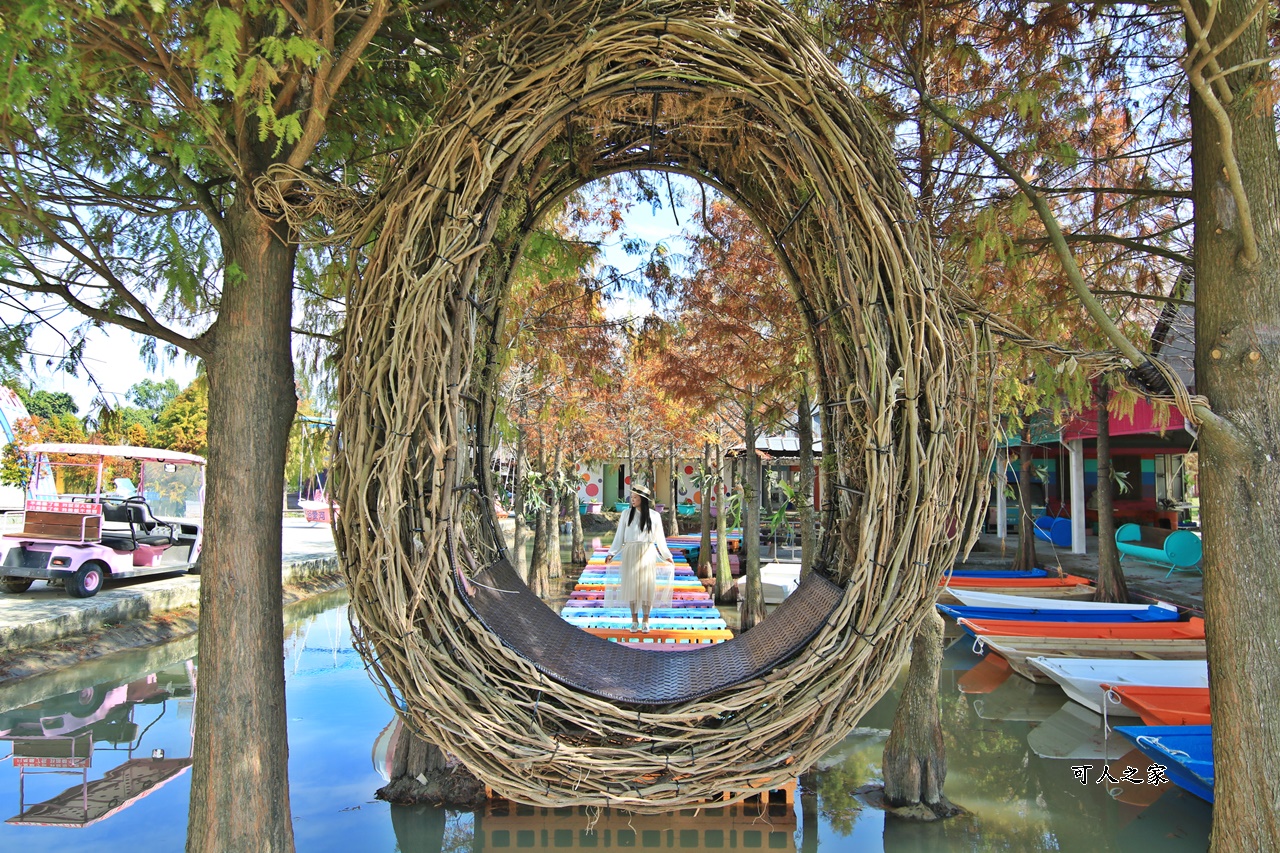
(1088, 103)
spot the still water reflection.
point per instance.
(96, 759)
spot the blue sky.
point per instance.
(112, 354)
(653, 227)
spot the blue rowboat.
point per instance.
(1047, 614)
(1185, 751)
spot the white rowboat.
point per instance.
(992, 599)
(1082, 678)
(1017, 650)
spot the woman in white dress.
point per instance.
(643, 583)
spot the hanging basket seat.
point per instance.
(613, 671)
(559, 94)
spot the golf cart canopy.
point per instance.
(122, 451)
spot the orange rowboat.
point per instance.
(1192, 629)
(1014, 583)
(1166, 706)
(1069, 587)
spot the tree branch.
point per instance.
(1111, 239)
(1227, 142)
(205, 201)
(327, 82)
(1137, 192)
(1149, 297)
(101, 315)
(310, 334)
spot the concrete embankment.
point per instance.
(44, 629)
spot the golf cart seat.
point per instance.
(132, 524)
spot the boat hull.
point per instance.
(1082, 680)
(1017, 650)
(1038, 614)
(1185, 751)
(1190, 630)
(1166, 706)
(1069, 591)
(976, 598)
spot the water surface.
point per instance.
(137, 705)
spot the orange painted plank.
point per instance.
(671, 635)
(1189, 630)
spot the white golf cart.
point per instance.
(75, 532)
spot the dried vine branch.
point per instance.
(564, 93)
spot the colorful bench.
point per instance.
(1176, 550)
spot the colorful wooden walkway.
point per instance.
(691, 622)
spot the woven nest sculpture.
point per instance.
(738, 96)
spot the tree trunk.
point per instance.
(1238, 369)
(240, 780)
(555, 500)
(1111, 585)
(673, 481)
(753, 608)
(1025, 558)
(520, 535)
(630, 472)
(539, 570)
(421, 773)
(804, 494)
(705, 569)
(578, 548)
(915, 760)
(726, 589)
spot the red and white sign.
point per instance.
(73, 508)
(61, 763)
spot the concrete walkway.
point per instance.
(43, 614)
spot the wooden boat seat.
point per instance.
(613, 671)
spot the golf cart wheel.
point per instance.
(86, 582)
(8, 584)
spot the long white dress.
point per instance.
(641, 580)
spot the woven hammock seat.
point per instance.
(738, 96)
(614, 671)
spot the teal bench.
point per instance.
(1176, 550)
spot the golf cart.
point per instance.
(76, 533)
